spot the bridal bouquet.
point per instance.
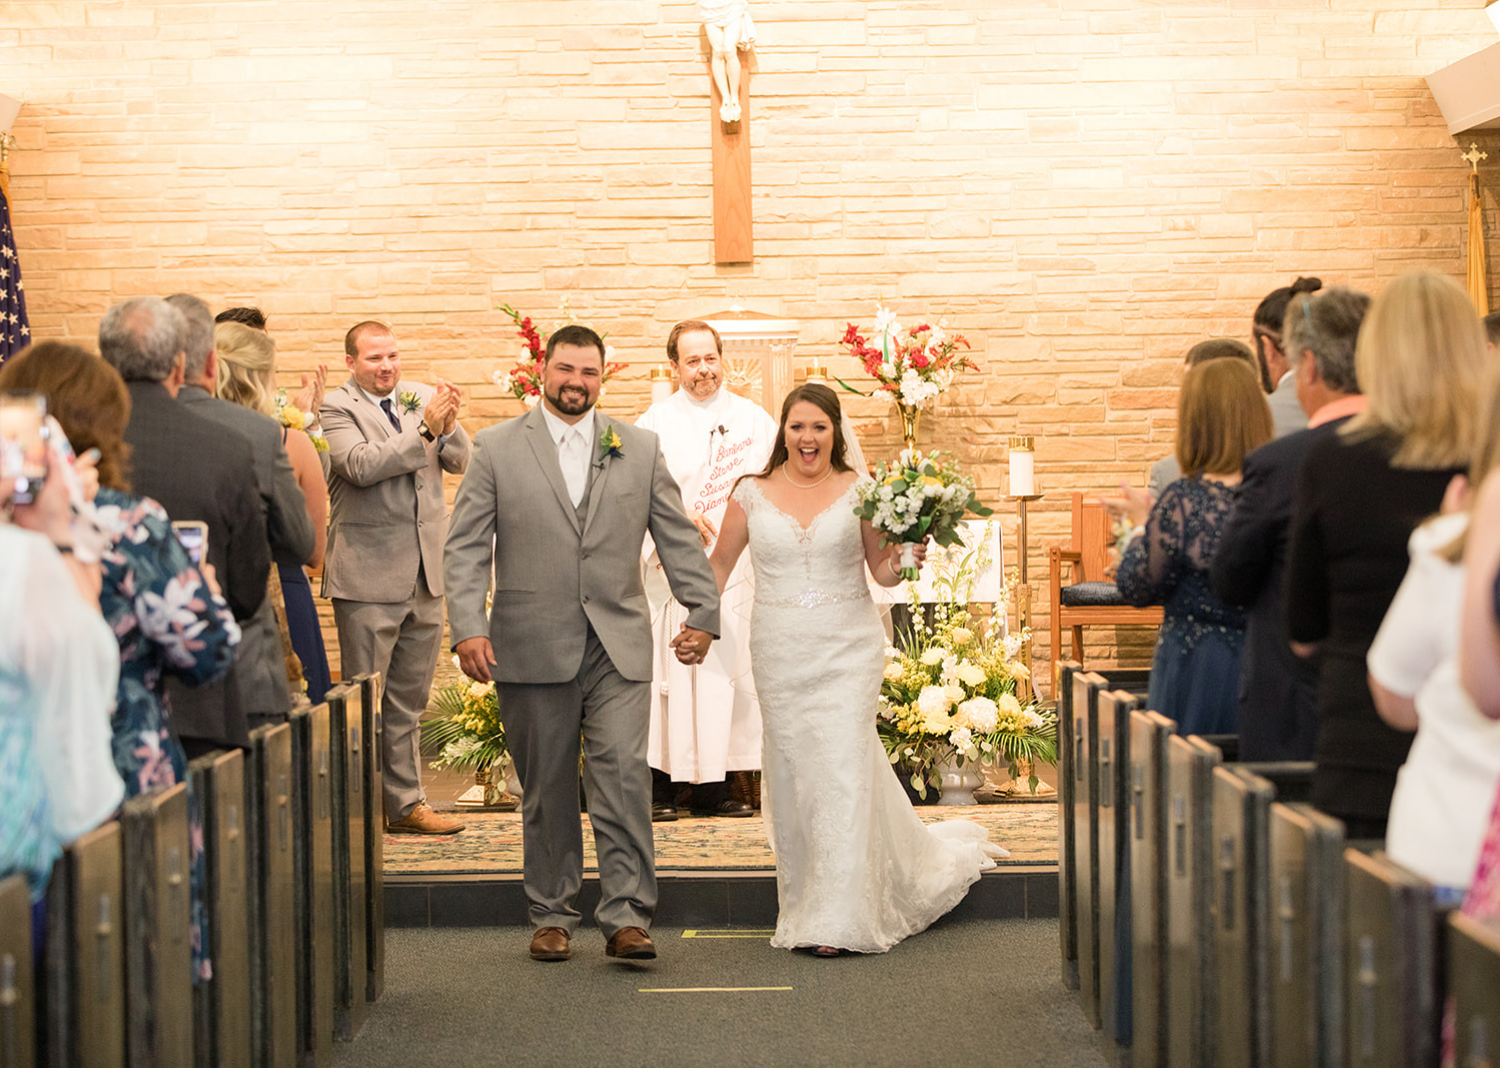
(912, 365)
(950, 693)
(468, 728)
(915, 498)
(524, 379)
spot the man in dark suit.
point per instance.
(190, 465)
(258, 679)
(1278, 688)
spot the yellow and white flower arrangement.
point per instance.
(468, 729)
(951, 690)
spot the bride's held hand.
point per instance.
(691, 645)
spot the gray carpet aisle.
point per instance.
(976, 992)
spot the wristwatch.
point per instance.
(426, 432)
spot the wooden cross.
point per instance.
(1471, 157)
(733, 239)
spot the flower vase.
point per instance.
(958, 783)
(911, 418)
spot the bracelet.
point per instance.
(64, 550)
(890, 562)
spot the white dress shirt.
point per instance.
(575, 449)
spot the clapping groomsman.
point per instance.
(389, 442)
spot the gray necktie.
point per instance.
(390, 413)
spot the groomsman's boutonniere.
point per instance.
(410, 402)
(609, 444)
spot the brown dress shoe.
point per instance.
(631, 943)
(550, 943)
(422, 820)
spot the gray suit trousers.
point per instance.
(401, 641)
(542, 726)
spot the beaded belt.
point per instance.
(814, 598)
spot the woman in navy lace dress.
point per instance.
(1221, 416)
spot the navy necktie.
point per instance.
(390, 413)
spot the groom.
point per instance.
(558, 502)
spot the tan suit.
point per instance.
(571, 630)
(384, 565)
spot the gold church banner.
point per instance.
(1479, 286)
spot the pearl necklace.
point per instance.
(808, 485)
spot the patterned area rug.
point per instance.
(491, 842)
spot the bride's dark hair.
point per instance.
(826, 399)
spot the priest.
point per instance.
(705, 721)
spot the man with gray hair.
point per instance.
(258, 679)
(1278, 720)
(189, 465)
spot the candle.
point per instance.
(1022, 463)
(661, 383)
(817, 372)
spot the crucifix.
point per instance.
(730, 31)
(1473, 156)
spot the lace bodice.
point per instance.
(796, 566)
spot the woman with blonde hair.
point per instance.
(1445, 790)
(247, 376)
(1221, 416)
(1360, 494)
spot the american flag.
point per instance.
(15, 331)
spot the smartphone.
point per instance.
(194, 537)
(23, 443)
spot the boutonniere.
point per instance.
(609, 443)
(410, 402)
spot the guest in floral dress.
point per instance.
(1221, 416)
(167, 615)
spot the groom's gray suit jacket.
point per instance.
(558, 571)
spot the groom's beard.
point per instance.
(570, 400)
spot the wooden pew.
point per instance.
(374, 801)
(1241, 917)
(1067, 835)
(17, 976)
(312, 809)
(158, 915)
(350, 934)
(221, 1031)
(1190, 961)
(1306, 973)
(272, 903)
(1391, 950)
(1113, 788)
(1150, 734)
(1085, 715)
(1474, 982)
(84, 985)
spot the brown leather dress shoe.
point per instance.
(550, 943)
(422, 820)
(631, 943)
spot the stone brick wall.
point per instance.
(1083, 189)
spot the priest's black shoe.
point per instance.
(728, 807)
(661, 812)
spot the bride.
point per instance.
(856, 869)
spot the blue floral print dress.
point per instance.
(167, 622)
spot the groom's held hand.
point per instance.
(475, 655)
(691, 645)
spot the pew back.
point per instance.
(85, 953)
(1149, 736)
(1190, 1010)
(158, 917)
(1067, 836)
(1085, 714)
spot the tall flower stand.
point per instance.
(1020, 786)
(488, 795)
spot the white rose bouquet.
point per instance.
(915, 498)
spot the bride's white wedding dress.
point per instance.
(855, 867)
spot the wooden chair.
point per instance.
(1088, 599)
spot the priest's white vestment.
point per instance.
(705, 720)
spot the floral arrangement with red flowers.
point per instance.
(524, 379)
(912, 365)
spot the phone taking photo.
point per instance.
(23, 444)
(194, 537)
